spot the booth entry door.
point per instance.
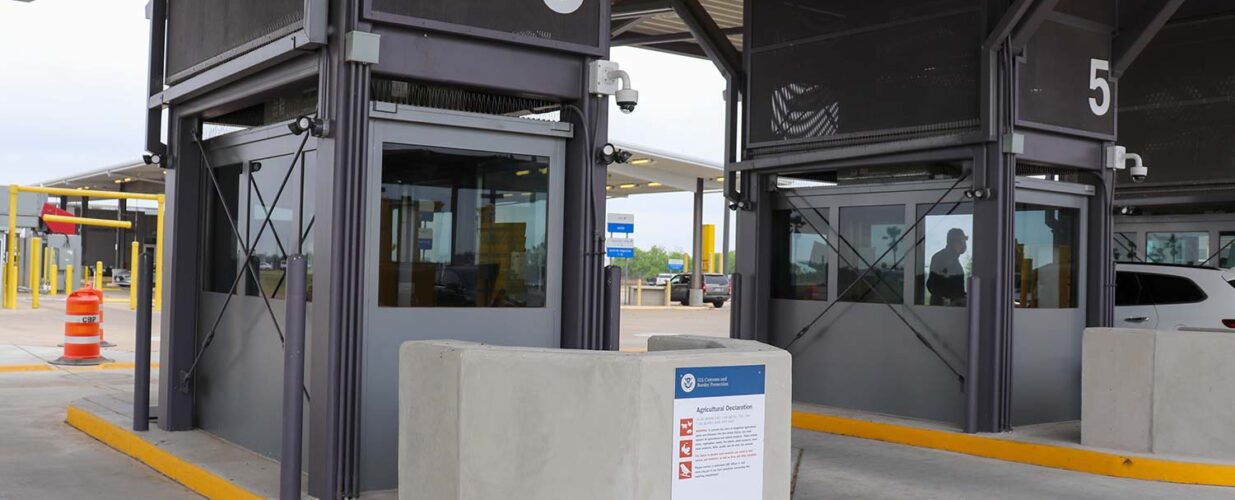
(466, 219)
(1049, 300)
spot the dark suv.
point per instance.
(715, 289)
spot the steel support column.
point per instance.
(695, 292)
(185, 198)
(709, 36)
(1101, 265)
(583, 222)
(336, 365)
(1133, 39)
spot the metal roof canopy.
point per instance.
(134, 177)
(651, 171)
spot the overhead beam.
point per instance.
(1130, 42)
(637, 9)
(638, 39)
(1006, 24)
(622, 26)
(710, 37)
(1030, 23)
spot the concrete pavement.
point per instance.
(41, 457)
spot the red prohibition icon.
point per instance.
(685, 470)
(686, 448)
(686, 427)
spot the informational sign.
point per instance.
(677, 265)
(620, 248)
(718, 432)
(621, 223)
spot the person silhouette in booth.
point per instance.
(946, 281)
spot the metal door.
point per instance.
(1049, 300)
(466, 244)
(259, 208)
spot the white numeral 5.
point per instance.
(1096, 83)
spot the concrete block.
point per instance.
(1166, 392)
(1117, 373)
(479, 422)
(1194, 394)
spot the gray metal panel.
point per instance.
(478, 63)
(866, 359)
(240, 378)
(387, 327)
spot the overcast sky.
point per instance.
(72, 99)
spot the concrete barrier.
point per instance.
(1164, 392)
(480, 422)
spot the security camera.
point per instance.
(1138, 173)
(1117, 159)
(314, 126)
(604, 78)
(627, 99)
(610, 154)
(152, 159)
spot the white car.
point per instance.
(1171, 297)
(662, 278)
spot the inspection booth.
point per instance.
(924, 213)
(435, 167)
(1177, 110)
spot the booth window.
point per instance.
(222, 247)
(944, 256)
(873, 236)
(1125, 247)
(1047, 256)
(800, 265)
(462, 228)
(1226, 250)
(1188, 248)
(290, 226)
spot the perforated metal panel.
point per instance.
(1055, 80)
(528, 19)
(203, 32)
(846, 69)
(1177, 104)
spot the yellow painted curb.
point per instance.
(195, 478)
(1045, 455)
(25, 368)
(44, 367)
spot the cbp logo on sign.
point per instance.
(688, 382)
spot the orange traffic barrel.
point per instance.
(81, 330)
(99, 293)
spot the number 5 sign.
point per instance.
(1099, 107)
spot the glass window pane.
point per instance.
(1125, 247)
(1188, 248)
(871, 240)
(221, 244)
(1165, 290)
(1127, 289)
(944, 257)
(1226, 250)
(1047, 257)
(278, 239)
(800, 265)
(462, 228)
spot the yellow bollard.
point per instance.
(36, 270)
(68, 279)
(10, 262)
(158, 256)
(46, 262)
(668, 292)
(98, 275)
(638, 294)
(54, 280)
(133, 276)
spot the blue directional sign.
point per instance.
(620, 248)
(621, 223)
(621, 227)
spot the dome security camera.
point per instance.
(627, 99)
